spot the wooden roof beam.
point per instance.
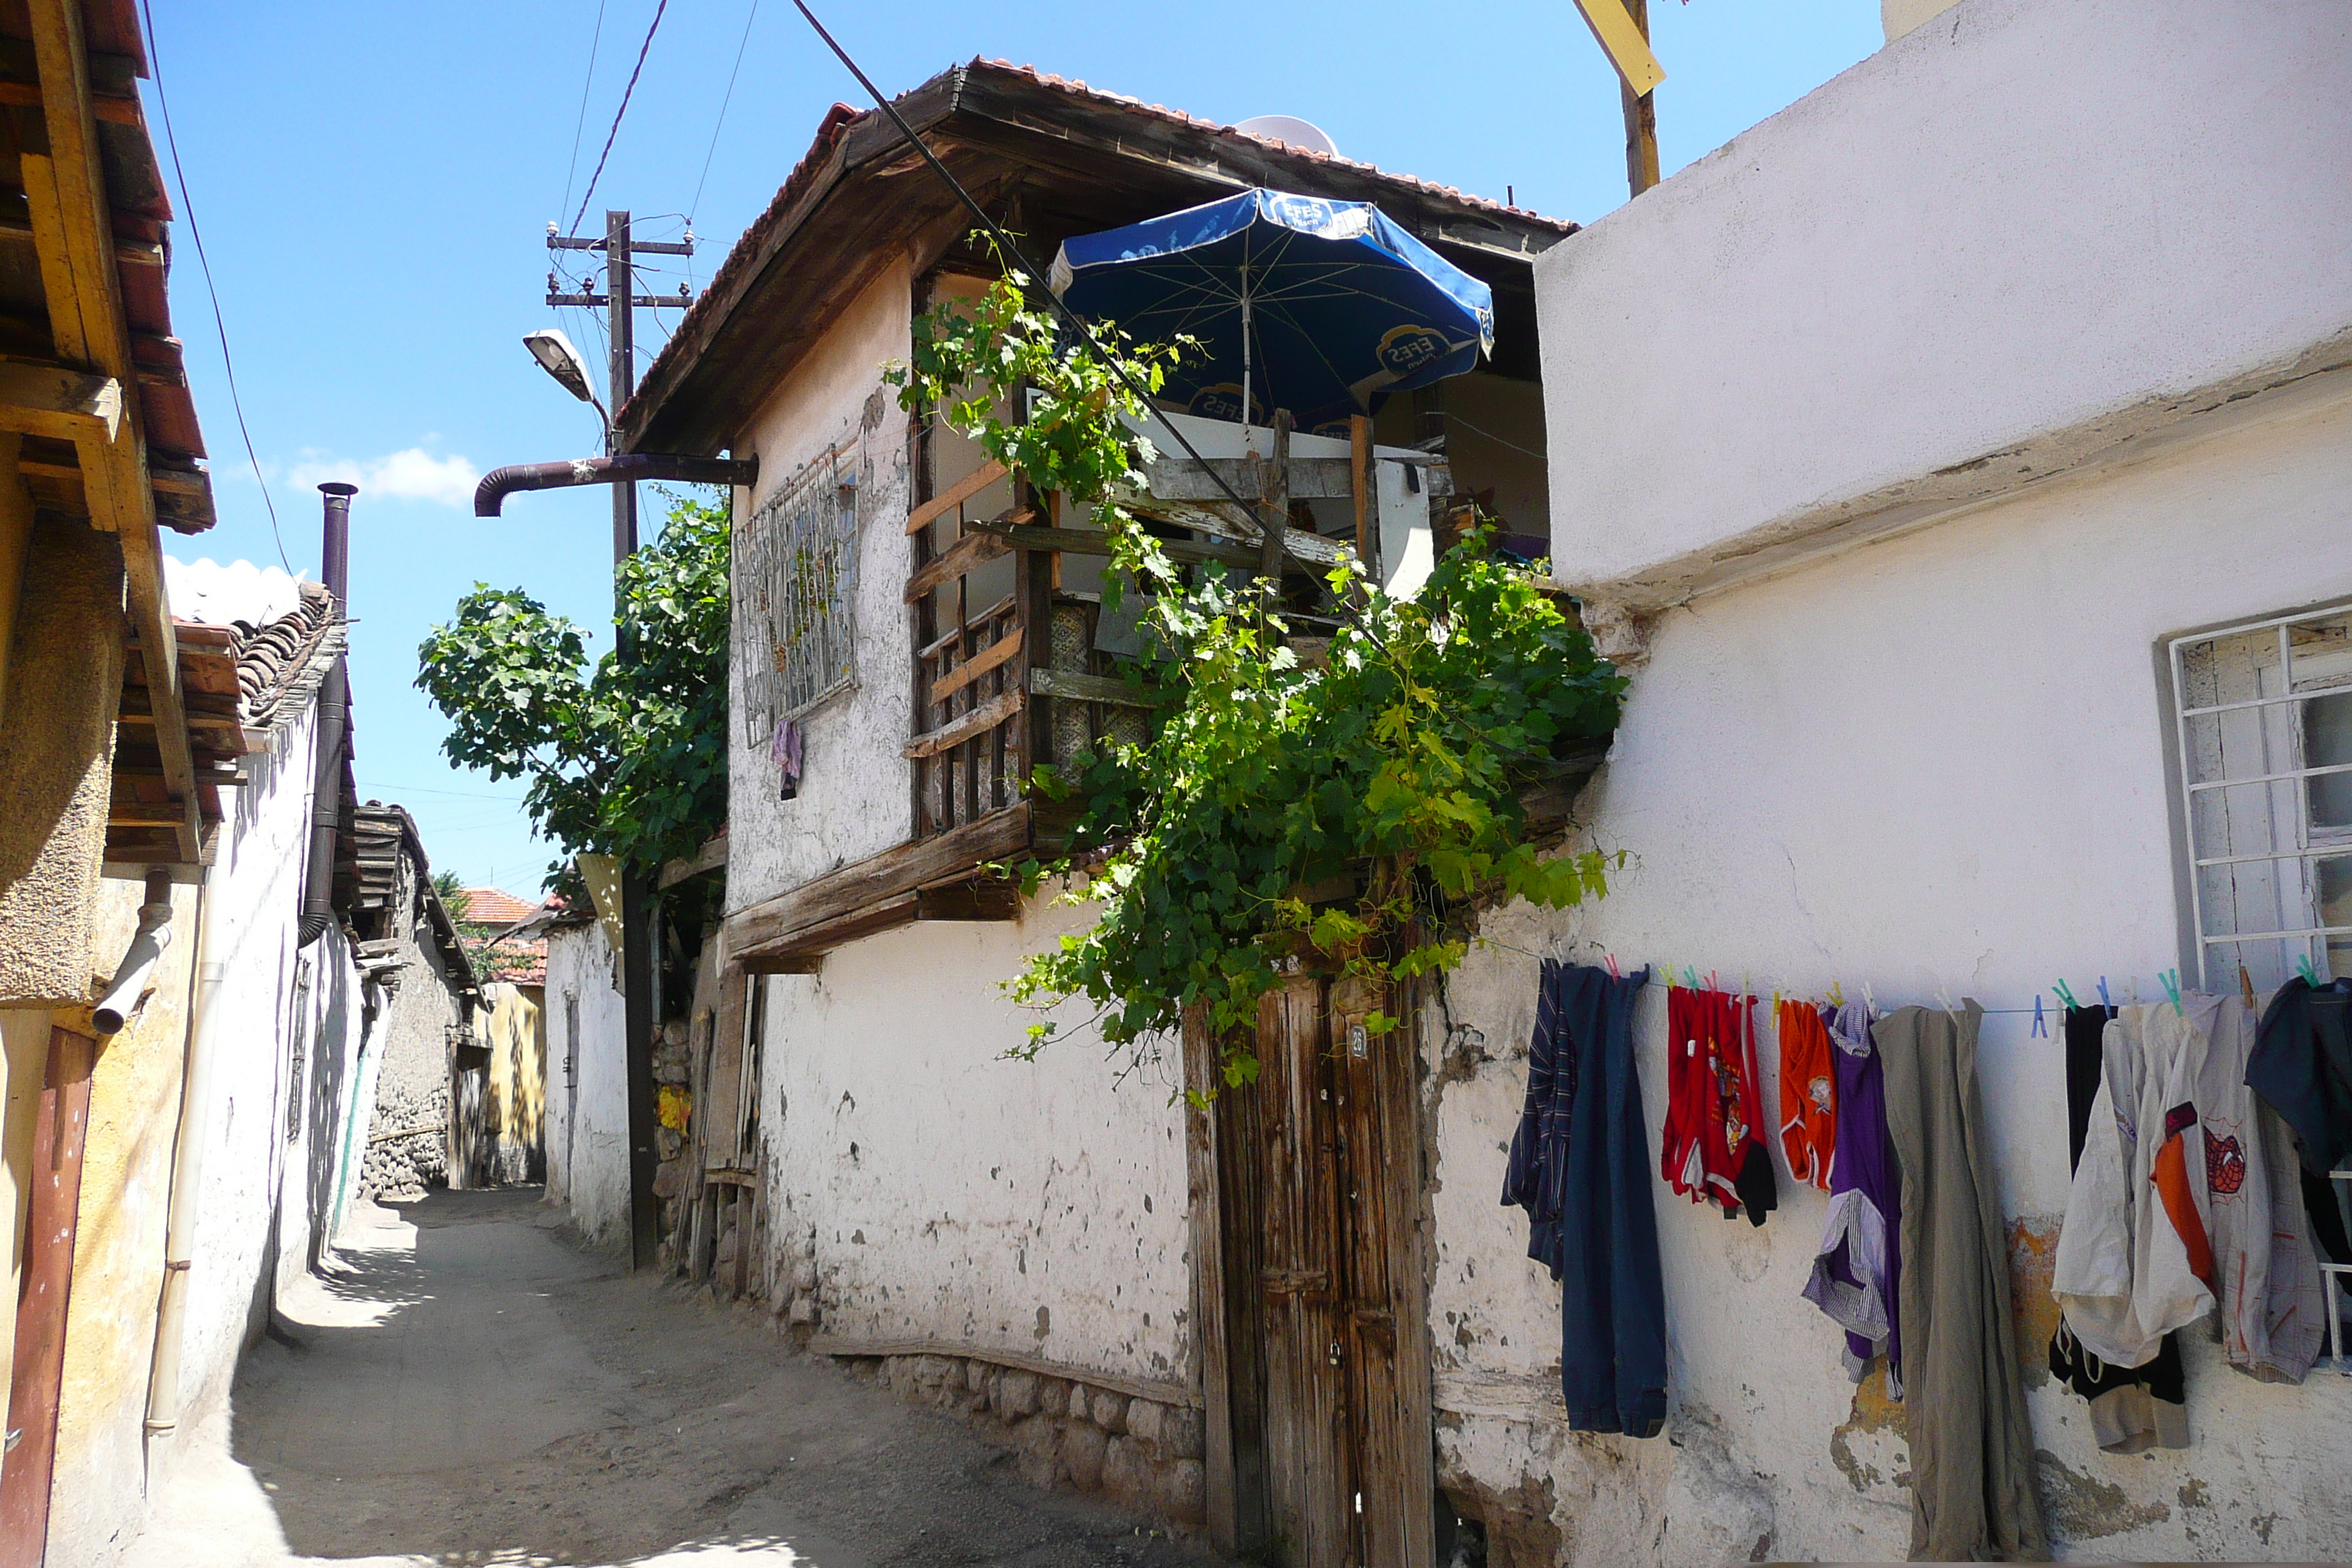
(65, 187)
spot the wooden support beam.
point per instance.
(1094, 541)
(979, 721)
(1092, 689)
(954, 495)
(972, 550)
(1638, 93)
(60, 404)
(978, 665)
(782, 924)
(65, 190)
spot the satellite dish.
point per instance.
(1291, 128)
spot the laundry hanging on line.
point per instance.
(1713, 1148)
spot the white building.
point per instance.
(1894, 448)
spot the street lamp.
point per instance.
(556, 356)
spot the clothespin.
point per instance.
(2104, 1000)
(1613, 972)
(2065, 997)
(2171, 982)
(2302, 966)
(1945, 996)
(1711, 983)
(1690, 972)
(1837, 995)
(2041, 1030)
(2246, 985)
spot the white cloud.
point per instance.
(411, 474)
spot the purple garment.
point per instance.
(1857, 1273)
(784, 751)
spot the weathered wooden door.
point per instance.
(1306, 1196)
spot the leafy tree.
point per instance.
(627, 760)
(1402, 750)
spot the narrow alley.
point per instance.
(466, 1384)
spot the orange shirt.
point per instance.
(1808, 1094)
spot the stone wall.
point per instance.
(409, 1141)
(1142, 1454)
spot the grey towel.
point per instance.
(1972, 1497)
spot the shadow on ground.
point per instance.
(466, 1385)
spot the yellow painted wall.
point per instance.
(126, 1185)
(517, 1033)
(16, 538)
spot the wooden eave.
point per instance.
(1074, 162)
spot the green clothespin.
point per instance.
(1690, 972)
(2065, 995)
(2302, 966)
(2172, 979)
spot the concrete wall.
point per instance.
(284, 1033)
(413, 1142)
(587, 1127)
(1936, 764)
(853, 799)
(2025, 217)
(920, 1187)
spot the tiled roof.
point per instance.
(1178, 116)
(278, 632)
(750, 252)
(493, 907)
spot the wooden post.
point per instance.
(1364, 479)
(35, 1381)
(1641, 116)
(1273, 509)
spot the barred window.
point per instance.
(797, 595)
(2264, 712)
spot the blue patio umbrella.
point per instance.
(1322, 307)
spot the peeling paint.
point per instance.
(2085, 1507)
(2033, 1311)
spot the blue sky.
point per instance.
(373, 185)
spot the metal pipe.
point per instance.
(139, 959)
(187, 1173)
(627, 469)
(334, 723)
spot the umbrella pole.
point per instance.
(1245, 357)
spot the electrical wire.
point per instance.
(188, 206)
(580, 121)
(643, 50)
(725, 98)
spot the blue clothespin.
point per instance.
(2172, 979)
(2041, 1030)
(2104, 1000)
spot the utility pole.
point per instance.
(621, 300)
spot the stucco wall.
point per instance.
(853, 799)
(416, 1110)
(1935, 762)
(272, 1133)
(931, 1190)
(587, 1088)
(2021, 216)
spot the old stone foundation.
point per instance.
(1140, 1453)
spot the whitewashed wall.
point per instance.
(587, 1083)
(944, 1193)
(853, 799)
(2025, 216)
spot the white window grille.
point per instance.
(2265, 717)
(797, 595)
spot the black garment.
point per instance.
(2085, 1029)
(2302, 1064)
(1537, 1177)
(1759, 1188)
(2301, 1067)
(2132, 1407)
(1581, 1164)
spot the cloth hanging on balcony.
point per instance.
(1333, 305)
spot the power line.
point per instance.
(643, 50)
(188, 205)
(580, 122)
(728, 96)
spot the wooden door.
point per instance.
(1307, 1194)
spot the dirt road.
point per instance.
(469, 1387)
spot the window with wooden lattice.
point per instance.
(797, 595)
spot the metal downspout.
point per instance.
(187, 1173)
(334, 721)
